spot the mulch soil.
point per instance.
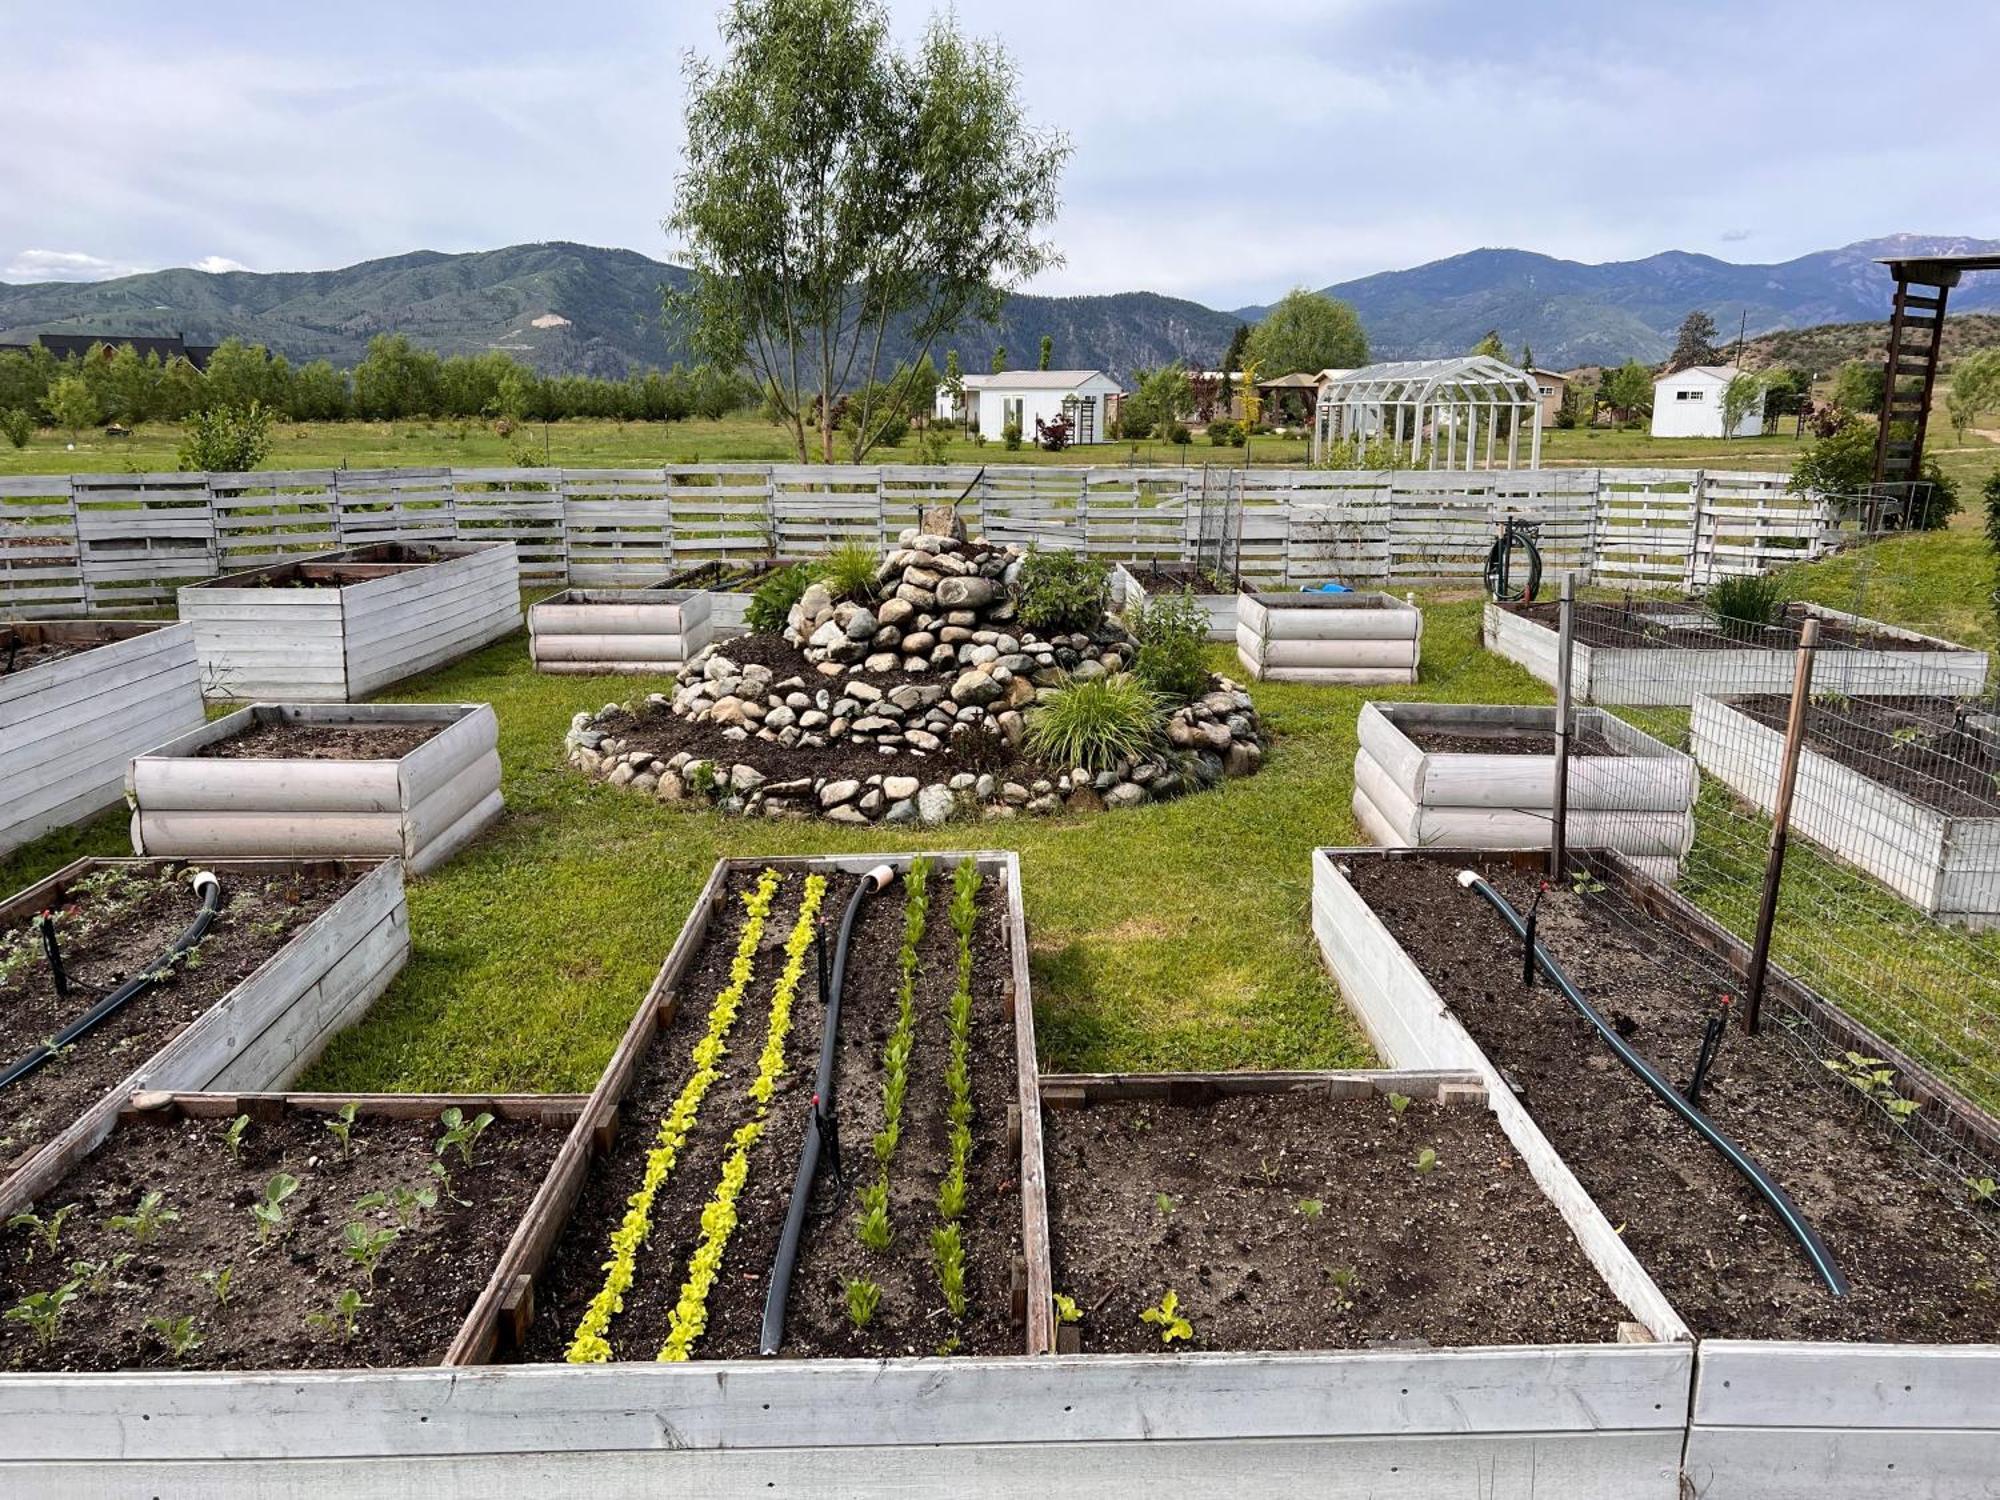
(112, 926)
(1468, 1253)
(1922, 1268)
(1513, 742)
(1938, 761)
(912, 1318)
(1687, 626)
(18, 656)
(1160, 577)
(289, 740)
(424, 1285)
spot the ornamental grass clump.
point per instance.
(718, 1218)
(1745, 605)
(1094, 724)
(590, 1345)
(875, 1229)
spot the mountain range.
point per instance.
(576, 308)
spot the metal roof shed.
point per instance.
(1435, 409)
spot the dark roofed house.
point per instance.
(168, 347)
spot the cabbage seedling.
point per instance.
(1165, 1316)
(233, 1136)
(461, 1134)
(217, 1281)
(42, 1311)
(178, 1334)
(48, 1230)
(269, 1211)
(1066, 1309)
(365, 1246)
(148, 1217)
(345, 1317)
(341, 1127)
(1426, 1162)
(1311, 1208)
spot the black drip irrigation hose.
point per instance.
(1779, 1201)
(821, 1133)
(211, 902)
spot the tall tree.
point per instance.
(1232, 357)
(1743, 395)
(1047, 354)
(1527, 356)
(1306, 331)
(1490, 346)
(835, 186)
(70, 404)
(1857, 389)
(1695, 343)
(999, 364)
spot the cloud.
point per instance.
(216, 264)
(64, 265)
(1735, 236)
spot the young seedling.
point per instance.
(1426, 1162)
(1311, 1208)
(443, 1175)
(269, 1211)
(1346, 1282)
(42, 1311)
(148, 1217)
(1165, 1316)
(875, 1230)
(1907, 736)
(949, 1250)
(461, 1134)
(217, 1281)
(863, 1297)
(408, 1204)
(1164, 1205)
(365, 1246)
(1398, 1103)
(178, 1334)
(345, 1318)
(341, 1127)
(1982, 1189)
(47, 1230)
(233, 1136)
(1066, 1309)
(1268, 1169)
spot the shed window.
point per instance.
(1687, 395)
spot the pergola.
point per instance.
(1433, 410)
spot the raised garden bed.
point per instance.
(1654, 653)
(1001, 1226)
(1356, 639)
(728, 584)
(298, 950)
(77, 700)
(631, 632)
(1435, 976)
(1901, 788)
(338, 626)
(1215, 590)
(415, 780)
(1483, 776)
(306, 1288)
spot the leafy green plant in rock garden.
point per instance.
(1063, 592)
(1172, 633)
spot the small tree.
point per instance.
(226, 439)
(1490, 346)
(1743, 395)
(1841, 463)
(1048, 352)
(1306, 331)
(999, 365)
(1694, 344)
(1975, 389)
(1627, 390)
(16, 425)
(70, 404)
(1857, 389)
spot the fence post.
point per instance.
(1781, 816)
(1565, 645)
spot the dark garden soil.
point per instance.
(1921, 1269)
(111, 926)
(1292, 1221)
(1921, 747)
(18, 654)
(912, 1318)
(1667, 625)
(1513, 742)
(424, 1285)
(724, 575)
(1158, 577)
(289, 740)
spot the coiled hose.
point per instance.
(819, 1123)
(210, 890)
(1500, 575)
(1779, 1201)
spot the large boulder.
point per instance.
(966, 593)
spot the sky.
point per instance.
(1221, 152)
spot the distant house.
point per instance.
(1022, 398)
(169, 347)
(1551, 386)
(1688, 403)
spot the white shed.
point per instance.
(1688, 403)
(1027, 396)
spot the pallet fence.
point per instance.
(102, 543)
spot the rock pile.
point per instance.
(938, 669)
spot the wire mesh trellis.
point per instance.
(1889, 905)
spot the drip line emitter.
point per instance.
(206, 886)
(1685, 1105)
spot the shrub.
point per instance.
(1094, 724)
(1933, 511)
(1743, 606)
(1010, 436)
(1134, 421)
(1063, 591)
(1172, 632)
(771, 603)
(1225, 434)
(848, 572)
(226, 439)
(1177, 432)
(15, 425)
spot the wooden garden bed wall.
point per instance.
(1365, 639)
(266, 1031)
(68, 726)
(95, 543)
(635, 631)
(422, 808)
(1128, 593)
(543, 1223)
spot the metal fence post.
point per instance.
(1565, 646)
(1781, 816)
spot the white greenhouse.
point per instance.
(1466, 413)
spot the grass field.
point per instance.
(744, 439)
(1168, 936)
